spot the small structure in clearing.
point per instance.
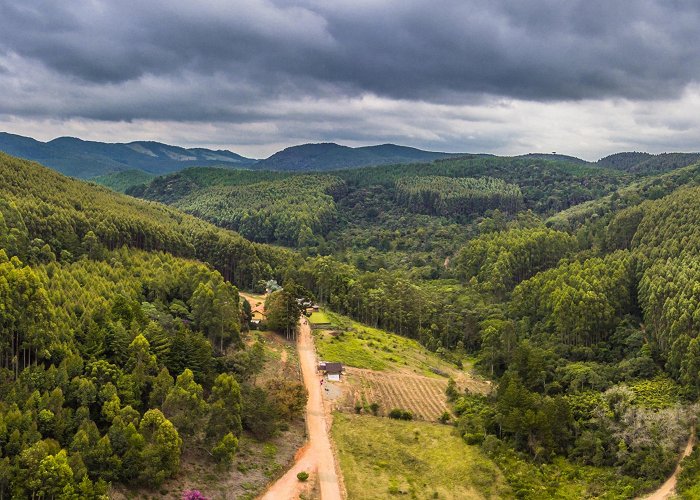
(331, 370)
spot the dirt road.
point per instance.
(667, 489)
(317, 456)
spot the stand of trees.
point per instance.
(461, 196)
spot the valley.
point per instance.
(518, 328)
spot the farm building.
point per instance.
(332, 370)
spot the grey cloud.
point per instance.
(447, 50)
(288, 71)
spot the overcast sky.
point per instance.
(586, 78)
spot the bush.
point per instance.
(226, 449)
(303, 476)
(400, 414)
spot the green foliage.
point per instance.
(162, 446)
(224, 408)
(283, 309)
(598, 289)
(547, 186)
(499, 261)
(122, 181)
(225, 449)
(688, 484)
(184, 405)
(399, 414)
(303, 476)
(462, 196)
(290, 210)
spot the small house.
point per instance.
(333, 371)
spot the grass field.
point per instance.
(319, 318)
(360, 346)
(382, 458)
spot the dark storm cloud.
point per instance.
(431, 50)
(446, 74)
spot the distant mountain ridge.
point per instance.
(331, 156)
(87, 159)
(648, 164)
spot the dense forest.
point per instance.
(457, 196)
(572, 286)
(116, 354)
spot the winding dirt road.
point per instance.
(668, 488)
(317, 456)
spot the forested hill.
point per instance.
(123, 180)
(86, 159)
(330, 156)
(118, 351)
(41, 207)
(648, 164)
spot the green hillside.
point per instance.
(40, 206)
(120, 353)
(329, 156)
(121, 181)
(648, 164)
(88, 159)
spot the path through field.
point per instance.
(317, 456)
(667, 489)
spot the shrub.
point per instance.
(400, 414)
(226, 449)
(303, 476)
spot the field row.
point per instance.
(423, 396)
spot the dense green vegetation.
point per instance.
(121, 181)
(113, 359)
(172, 188)
(289, 211)
(500, 260)
(330, 156)
(460, 196)
(44, 213)
(588, 327)
(646, 163)
(547, 186)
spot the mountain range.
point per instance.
(121, 163)
(87, 159)
(90, 159)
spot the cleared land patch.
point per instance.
(423, 396)
(319, 318)
(382, 458)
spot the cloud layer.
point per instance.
(582, 77)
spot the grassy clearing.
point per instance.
(382, 458)
(319, 318)
(355, 344)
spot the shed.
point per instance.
(333, 371)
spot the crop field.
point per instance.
(423, 396)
